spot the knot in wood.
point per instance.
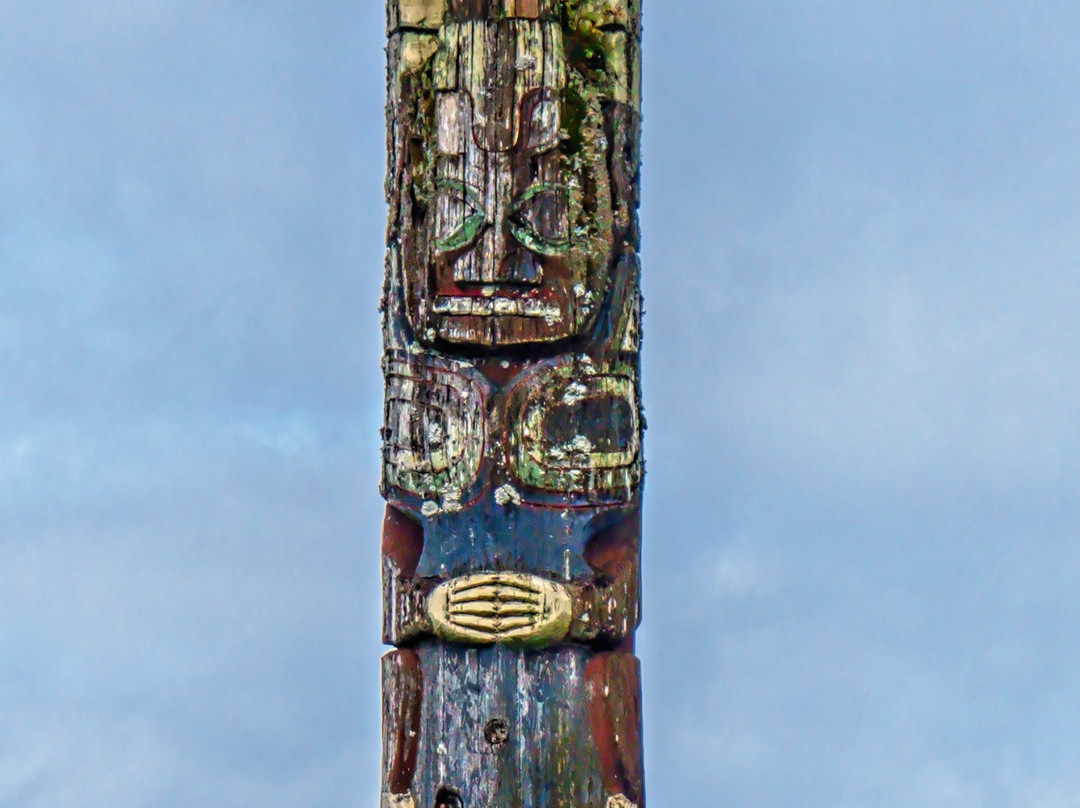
(497, 731)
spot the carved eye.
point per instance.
(577, 431)
(606, 424)
(433, 429)
(459, 215)
(538, 219)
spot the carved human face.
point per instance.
(515, 241)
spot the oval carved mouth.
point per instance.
(508, 608)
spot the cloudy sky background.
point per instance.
(862, 566)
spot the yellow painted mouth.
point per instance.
(507, 608)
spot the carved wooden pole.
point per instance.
(512, 459)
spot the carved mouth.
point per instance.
(497, 307)
(512, 608)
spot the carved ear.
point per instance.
(402, 540)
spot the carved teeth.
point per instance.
(497, 306)
(453, 305)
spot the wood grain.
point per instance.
(512, 437)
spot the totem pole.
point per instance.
(512, 458)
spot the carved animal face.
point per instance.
(511, 239)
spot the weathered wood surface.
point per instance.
(512, 460)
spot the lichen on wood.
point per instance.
(512, 453)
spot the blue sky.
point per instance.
(861, 240)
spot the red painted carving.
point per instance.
(614, 686)
(403, 692)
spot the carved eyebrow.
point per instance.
(468, 192)
(526, 233)
(467, 231)
(536, 190)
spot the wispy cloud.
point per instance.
(860, 249)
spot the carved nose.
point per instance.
(499, 259)
(520, 266)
